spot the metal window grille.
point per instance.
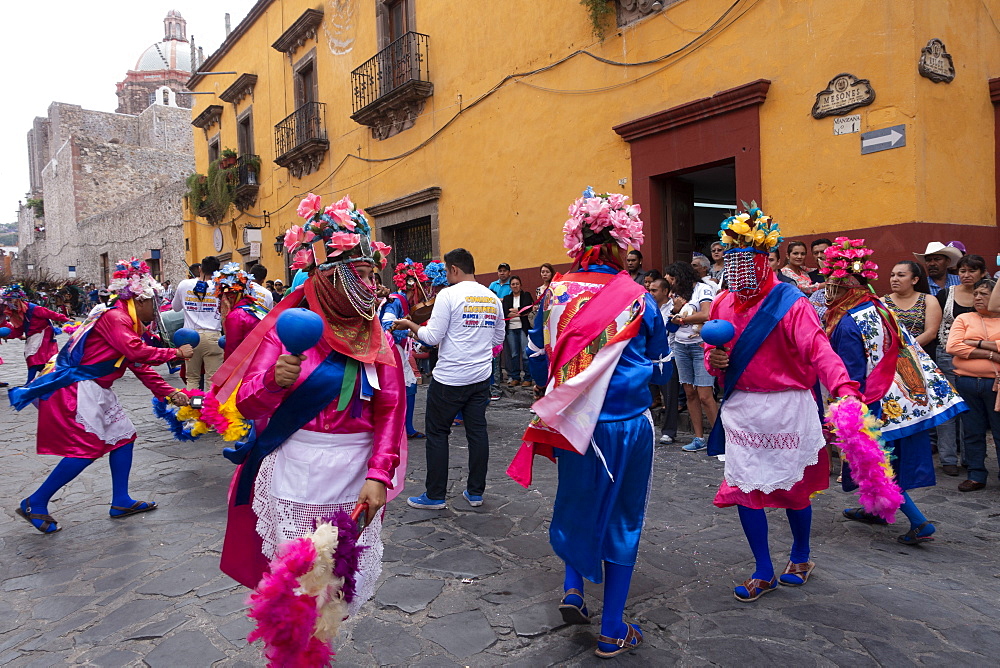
(412, 240)
(403, 60)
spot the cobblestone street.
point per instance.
(479, 586)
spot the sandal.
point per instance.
(913, 537)
(755, 588)
(47, 521)
(628, 643)
(574, 614)
(795, 572)
(134, 509)
(859, 515)
(417, 435)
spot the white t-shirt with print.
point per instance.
(692, 333)
(466, 323)
(199, 313)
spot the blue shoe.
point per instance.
(696, 445)
(474, 501)
(423, 502)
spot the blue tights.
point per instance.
(617, 579)
(916, 517)
(69, 468)
(411, 401)
(755, 527)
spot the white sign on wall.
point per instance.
(846, 125)
(254, 250)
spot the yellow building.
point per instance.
(477, 123)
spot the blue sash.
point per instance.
(67, 371)
(298, 409)
(774, 307)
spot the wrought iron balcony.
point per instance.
(391, 87)
(247, 181)
(300, 139)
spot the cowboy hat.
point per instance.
(937, 248)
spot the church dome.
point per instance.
(167, 55)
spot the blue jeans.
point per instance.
(980, 397)
(515, 355)
(949, 434)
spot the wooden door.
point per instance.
(678, 200)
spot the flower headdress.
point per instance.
(405, 270)
(846, 257)
(437, 273)
(12, 292)
(342, 227)
(750, 229)
(230, 279)
(598, 219)
(132, 279)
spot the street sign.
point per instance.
(846, 125)
(883, 140)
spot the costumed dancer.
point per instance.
(33, 323)
(598, 335)
(240, 306)
(397, 305)
(329, 423)
(769, 425)
(899, 381)
(79, 416)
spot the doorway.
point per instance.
(695, 201)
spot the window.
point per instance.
(398, 19)
(413, 240)
(213, 149)
(305, 81)
(105, 276)
(244, 133)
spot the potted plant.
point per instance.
(252, 164)
(197, 191)
(228, 158)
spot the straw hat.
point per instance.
(937, 248)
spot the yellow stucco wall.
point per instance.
(509, 166)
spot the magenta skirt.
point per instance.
(814, 479)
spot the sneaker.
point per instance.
(696, 445)
(666, 440)
(423, 502)
(474, 501)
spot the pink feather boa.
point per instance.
(857, 434)
(286, 620)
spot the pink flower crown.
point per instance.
(846, 257)
(342, 226)
(597, 213)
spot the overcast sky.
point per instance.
(75, 52)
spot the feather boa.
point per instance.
(187, 423)
(300, 604)
(858, 434)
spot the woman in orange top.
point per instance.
(973, 342)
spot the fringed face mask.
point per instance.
(746, 270)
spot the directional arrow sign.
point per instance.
(883, 140)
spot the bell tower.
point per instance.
(174, 27)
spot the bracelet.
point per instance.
(991, 355)
(979, 343)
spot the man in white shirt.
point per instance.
(466, 324)
(660, 290)
(264, 296)
(201, 313)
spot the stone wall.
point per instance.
(111, 183)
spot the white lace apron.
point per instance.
(33, 344)
(100, 413)
(311, 475)
(771, 437)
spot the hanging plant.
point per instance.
(221, 184)
(197, 191)
(599, 11)
(228, 158)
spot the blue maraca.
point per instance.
(717, 332)
(222, 341)
(5, 332)
(57, 330)
(186, 337)
(299, 329)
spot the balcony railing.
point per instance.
(402, 61)
(306, 123)
(247, 181)
(300, 139)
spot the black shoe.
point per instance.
(949, 469)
